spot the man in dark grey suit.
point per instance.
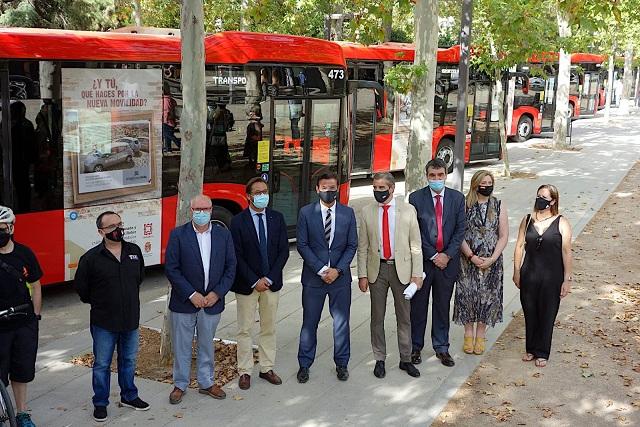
(442, 221)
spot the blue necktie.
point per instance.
(262, 236)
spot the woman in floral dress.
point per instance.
(478, 300)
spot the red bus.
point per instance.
(381, 135)
(534, 106)
(96, 107)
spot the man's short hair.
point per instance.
(436, 163)
(102, 215)
(326, 175)
(252, 181)
(388, 177)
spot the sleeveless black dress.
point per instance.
(541, 277)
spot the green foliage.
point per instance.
(66, 14)
(403, 76)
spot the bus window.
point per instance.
(34, 88)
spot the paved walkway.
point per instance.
(61, 394)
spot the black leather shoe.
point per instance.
(411, 370)
(303, 375)
(342, 373)
(379, 370)
(446, 359)
(415, 358)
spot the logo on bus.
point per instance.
(229, 80)
(73, 215)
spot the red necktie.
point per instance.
(440, 240)
(386, 243)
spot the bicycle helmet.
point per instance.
(6, 215)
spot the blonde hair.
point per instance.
(555, 195)
(472, 195)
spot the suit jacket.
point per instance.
(314, 249)
(453, 227)
(248, 253)
(407, 250)
(183, 267)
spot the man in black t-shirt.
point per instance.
(20, 276)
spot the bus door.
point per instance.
(589, 93)
(364, 122)
(549, 104)
(305, 136)
(485, 132)
(5, 134)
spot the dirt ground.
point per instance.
(149, 366)
(593, 374)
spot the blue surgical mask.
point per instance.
(436, 185)
(261, 201)
(201, 217)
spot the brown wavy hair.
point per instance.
(555, 195)
(472, 195)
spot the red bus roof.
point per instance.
(576, 58)
(235, 47)
(63, 45)
(221, 48)
(394, 52)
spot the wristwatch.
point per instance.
(339, 270)
(38, 316)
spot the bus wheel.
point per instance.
(445, 152)
(221, 216)
(525, 129)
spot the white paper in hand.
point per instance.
(410, 290)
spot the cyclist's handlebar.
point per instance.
(8, 312)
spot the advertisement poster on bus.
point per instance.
(112, 135)
(142, 226)
(401, 131)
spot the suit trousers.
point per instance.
(183, 326)
(388, 278)
(267, 303)
(339, 307)
(442, 289)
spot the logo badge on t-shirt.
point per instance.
(133, 257)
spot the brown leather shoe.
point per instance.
(244, 382)
(271, 377)
(214, 391)
(176, 396)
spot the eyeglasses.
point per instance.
(538, 242)
(258, 193)
(194, 210)
(110, 228)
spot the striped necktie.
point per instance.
(327, 227)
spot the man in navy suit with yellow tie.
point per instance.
(442, 221)
(262, 250)
(327, 240)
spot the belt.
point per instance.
(387, 261)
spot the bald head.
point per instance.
(200, 202)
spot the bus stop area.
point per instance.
(600, 157)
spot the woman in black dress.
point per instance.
(544, 277)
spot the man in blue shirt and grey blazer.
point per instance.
(327, 240)
(442, 221)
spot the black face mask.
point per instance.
(116, 235)
(485, 191)
(328, 196)
(381, 196)
(542, 204)
(5, 238)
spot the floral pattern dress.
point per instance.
(479, 292)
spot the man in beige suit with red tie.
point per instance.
(389, 256)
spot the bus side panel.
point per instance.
(344, 189)
(533, 112)
(50, 250)
(382, 153)
(446, 131)
(576, 106)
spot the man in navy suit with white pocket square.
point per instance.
(327, 240)
(442, 222)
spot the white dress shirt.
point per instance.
(392, 226)
(204, 243)
(256, 224)
(324, 210)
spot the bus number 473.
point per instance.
(336, 74)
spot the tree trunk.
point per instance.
(501, 122)
(423, 93)
(244, 25)
(636, 95)
(628, 78)
(192, 127)
(137, 13)
(609, 88)
(387, 24)
(511, 94)
(562, 93)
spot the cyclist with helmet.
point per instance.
(20, 276)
